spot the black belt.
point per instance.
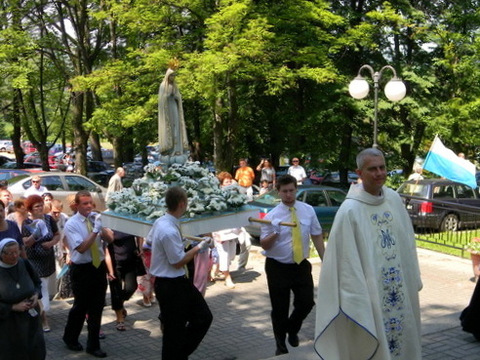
(85, 264)
(178, 278)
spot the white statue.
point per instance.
(172, 134)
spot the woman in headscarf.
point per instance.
(172, 134)
(20, 326)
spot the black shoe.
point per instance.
(74, 346)
(281, 346)
(293, 340)
(281, 350)
(97, 353)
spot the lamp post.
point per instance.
(395, 90)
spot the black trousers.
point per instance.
(470, 316)
(124, 285)
(89, 285)
(185, 316)
(281, 279)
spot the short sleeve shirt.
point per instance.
(282, 249)
(167, 247)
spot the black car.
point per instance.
(26, 165)
(4, 160)
(100, 172)
(441, 204)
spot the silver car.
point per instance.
(60, 185)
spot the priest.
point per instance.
(368, 305)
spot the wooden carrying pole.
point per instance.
(194, 238)
(263, 221)
(251, 219)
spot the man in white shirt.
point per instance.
(88, 274)
(185, 315)
(115, 183)
(297, 171)
(286, 266)
(36, 188)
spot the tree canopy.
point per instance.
(258, 77)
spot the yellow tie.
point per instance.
(297, 244)
(94, 248)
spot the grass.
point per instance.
(451, 243)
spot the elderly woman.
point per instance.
(22, 336)
(20, 213)
(8, 229)
(41, 234)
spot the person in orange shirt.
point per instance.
(245, 176)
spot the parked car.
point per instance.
(7, 174)
(28, 147)
(4, 159)
(281, 170)
(324, 199)
(6, 146)
(440, 204)
(26, 165)
(35, 159)
(333, 178)
(100, 172)
(395, 172)
(61, 185)
(317, 176)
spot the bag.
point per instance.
(140, 266)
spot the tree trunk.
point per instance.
(79, 134)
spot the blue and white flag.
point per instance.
(444, 162)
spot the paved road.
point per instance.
(241, 329)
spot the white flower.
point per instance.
(146, 197)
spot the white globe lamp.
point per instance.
(358, 88)
(395, 90)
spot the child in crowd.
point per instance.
(264, 188)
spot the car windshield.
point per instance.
(413, 189)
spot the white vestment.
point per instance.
(367, 305)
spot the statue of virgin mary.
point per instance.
(172, 134)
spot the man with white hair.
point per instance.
(36, 188)
(367, 304)
(115, 183)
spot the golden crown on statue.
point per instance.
(174, 64)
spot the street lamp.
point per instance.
(395, 90)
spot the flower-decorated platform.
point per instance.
(189, 226)
(210, 208)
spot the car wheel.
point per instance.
(449, 223)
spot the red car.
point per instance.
(35, 158)
(28, 147)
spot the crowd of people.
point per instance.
(367, 295)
